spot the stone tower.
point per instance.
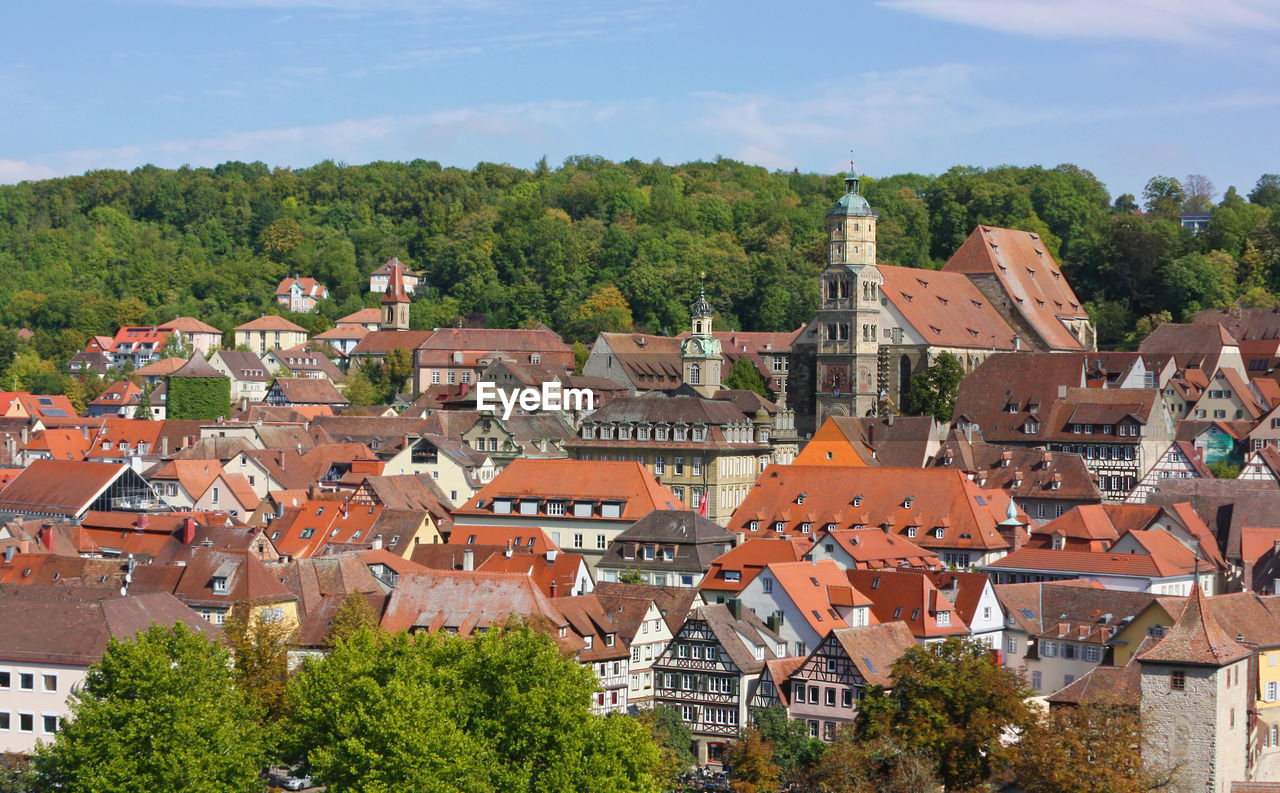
(700, 356)
(395, 303)
(846, 330)
(1195, 703)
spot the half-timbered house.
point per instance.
(710, 671)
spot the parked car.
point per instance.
(298, 782)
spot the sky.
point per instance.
(1128, 89)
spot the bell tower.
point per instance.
(700, 356)
(395, 303)
(846, 330)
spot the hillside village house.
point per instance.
(581, 506)
(50, 636)
(667, 547)
(202, 336)
(300, 295)
(709, 673)
(697, 447)
(458, 355)
(380, 279)
(804, 601)
(269, 332)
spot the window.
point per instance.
(1035, 681)
(26, 722)
(50, 682)
(767, 584)
(601, 542)
(830, 697)
(26, 681)
(577, 539)
(556, 507)
(1049, 649)
(1011, 644)
(4, 720)
(1178, 681)
(1272, 692)
(1092, 654)
(49, 723)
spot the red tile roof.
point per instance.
(910, 597)
(809, 585)
(189, 325)
(270, 322)
(1037, 290)
(875, 548)
(574, 480)
(1196, 639)
(436, 600)
(1085, 562)
(946, 309)
(747, 561)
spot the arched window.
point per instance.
(695, 374)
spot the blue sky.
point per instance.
(1125, 88)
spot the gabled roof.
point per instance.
(195, 476)
(365, 316)
(651, 362)
(189, 325)
(946, 309)
(1196, 639)
(436, 600)
(808, 586)
(270, 322)
(901, 498)
(748, 560)
(875, 548)
(198, 367)
(908, 596)
(59, 487)
(309, 286)
(732, 634)
(161, 368)
(309, 391)
(381, 342)
(874, 649)
(67, 625)
(673, 602)
(900, 441)
(575, 480)
(245, 366)
(247, 579)
(1105, 685)
(1088, 563)
(1037, 290)
(1192, 346)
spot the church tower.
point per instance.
(700, 357)
(846, 330)
(395, 303)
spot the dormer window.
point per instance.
(754, 525)
(939, 532)
(608, 640)
(220, 585)
(805, 528)
(733, 575)
(911, 532)
(857, 501)
(800, 499)
(778, 526)
(590, 641)
(907, 504)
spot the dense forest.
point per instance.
(592, 245)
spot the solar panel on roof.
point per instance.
(56, 413)
(981, 500)
(46, 401)
(1028, 613)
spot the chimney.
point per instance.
(46, 534)
(188, 530)
(553, 588)
(24, 436)
(143, 519)
(280, 509)
(164, 445)
(735, 607)
(468, 559)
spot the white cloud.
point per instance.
(13, 171)
(1160, 20)
(882, 110)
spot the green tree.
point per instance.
(1224, 469)
(399, 368)
(674, 739)
(1267, 191)
(359, 390)
(794, 752)
(952, 701)
(1092, 748)
(744, 376)
(580, 356)
(933, 391)
(1163, 197)
(260, 639)
(160, 714)
(503, 711)
(143, 411)
(852, 765)
(352, 616)
(753, 768)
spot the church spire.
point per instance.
(851, 181)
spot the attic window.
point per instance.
(816, 614)
(907, 504)
(939, 532)
(831, 527)
(935, 329)
(915, 614)
(733, 575)
(857, 501)
(943, 300)
(308, 533)
(806, 527)
(754, 525)
(875, 582)
(778, 526)
(800, 499)
(220, 585)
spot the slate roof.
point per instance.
(730, 631)
(1196, 639)
(697, 541)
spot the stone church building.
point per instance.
(878, 325)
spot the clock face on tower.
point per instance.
(694, 347)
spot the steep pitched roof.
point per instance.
(945, 308)
(1196, 639)
(875, 548)
(309, 391)
(908, 596)
(575, 480)
(189, 325)
(1036, 288)
(874, 649)
(746, 561)
(808, 585)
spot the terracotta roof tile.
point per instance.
(1196, 638)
